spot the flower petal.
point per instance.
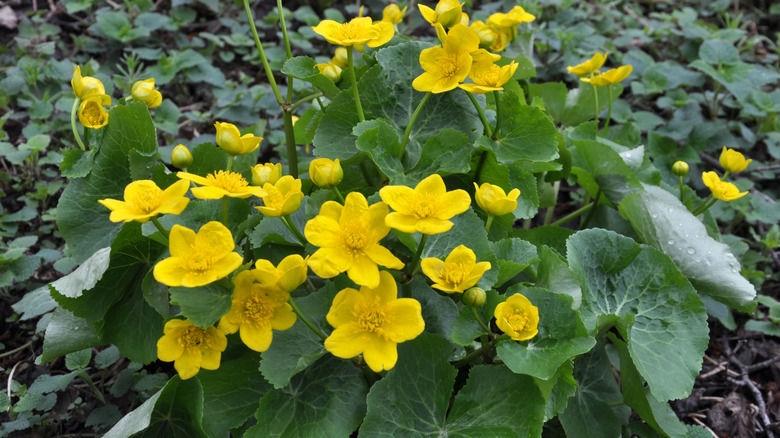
(380, 355)
(347, 341)
(364, 271)
(342, 309)
(188, 364)
(169, 348)
(170, 272)
(330, 262)
(283, 318)
(404, 320)
(256, 336)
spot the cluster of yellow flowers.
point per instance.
(732, 162)
(589, 71)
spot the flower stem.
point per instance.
(266, 66)
(682, 195)
(412, 121)
(499, 115)
(96, 392)
(305, 320)
(704, 206)
(481, 322)
(351, 63)
(160, 227)
(305, 99)
(338, 193)
(292, 151)
(592, 210)
(609, 111)
(596, 103)
(551, 210)
(416, 258)
(225, 210)
(488, 222)
(485, 124)
(288, 50)
(293, 229)
(575, 214)
(73, 113)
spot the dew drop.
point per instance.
(690, 251)
(670, 242)
(655, 215)
(75, 329)
(628, 154)
(669, 210)
(698, 259)
(709, 251)
(734, 270)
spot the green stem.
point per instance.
(293, 229)
(287, 49)
(682, 194)
(700, 209)
(266, 66)
(417, 254)
(225, 210)
(478, 172)
(305, 320)
(551, 210)
(706, 207)
(592, 210)
(305, 99)
(229, 166)
(292, 151)
(160, 227)
(596, 102)
(488, 222)
(338, 193)
(481, 322)
(609, 110)
(485, 124)
(575, 214)
(499, 115)
(355, 93)
(412, 121)
(73, 113)
(91, 384)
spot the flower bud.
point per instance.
(340, 58)
(143, 91)
(393, 14)
(474, 297)
(181, 157)
(266, 173)
(733, 161)
(229, 138)
(91, 112)
(494, 201)
(330, 71)
(680, 168)
(326, 173)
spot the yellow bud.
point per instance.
(494, 201)
(91, 112)
(229, 138)
(733, 161)
(326, 173)
(143, 91)
(330, 71)
(474, 297)
(393, 14)
(340, 58)
(181, 157)
(680, 168)
(266, 173)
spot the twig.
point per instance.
(11, 379)
(15, 350)
(762, 168)
(641, 20)
(712, 372)
(745, 381)
(711, 399)
(699, 422)
(764, 364)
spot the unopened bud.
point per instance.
(680, 168)
(181, 157)
(474, 297)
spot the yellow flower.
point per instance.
(329, 70)
(348, 236)
(86, 86)
(511, 19)
(373, 322)
(198, 259)
(494, 201)
(144, 200)
(143, 91)
(612, 76)
(266, 173)
(220, 184)
(487, 34)
(393, 14)
(256, 311)
(589, 66)
(487, 76)
(517, 317)
(190, 347)
(341, 58)
(458, 272)
(447, 66)
(427, 208)
(290, 273)
(725, 191)
(680, 168)
(733, 161)
(447, 13)
(229, 138)
(282, 198)
(181, 157)
(357, 32)
(91, 112)
(326, 173)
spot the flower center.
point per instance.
(92, 113)
(489, 77)
(426, 205)
(193, 337)
(146, 201)
(230, 181)
(518, 321)
(448, 66)
(354, 235)
(455, 273)
(257, 309)
(200, 259)
(371, 318)
(275, 199)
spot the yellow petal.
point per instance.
(283, 318)
(330, 262)
(258, 337)
(323, 231)
(364, 271)
(404, 320)
(188, 364)
(170, 272)
(343, 307)
(169, 348)
(432, 225)
(402, 222)
(383, 257)
(380, 355)
(210, 359)
(346, 341)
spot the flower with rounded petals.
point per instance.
(220, 184)
(589, 66)
(190, 347)
(516, 16)
(348, 236)
(329, 70)
(373, 322)
(266, 173)
(144, 200)
(447, 13)
(256, 311)
(458, 272)
(86, 86)
(447, 66)
(609, 77)
(282, 198)
(181, 157)
(427, 208)
(357, 32)
(494, 201)
(393, 14)
(288, 275)
(725, 191)
(229, 138)
(517, 317)
(91, 112)
(733, 161)
(488, 76)
(326, 173)
(198, 259)
(144, 91)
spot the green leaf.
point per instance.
(85, 277)
(562, 336)
(303, 67)
(554, 96)
(326, 400)
(527, 133)
(134, 326)
(178, 411)
(607, 168)
(558, 390)
(663, 222)
(414, 398)
(513, 256)
(273, 230)
(135, 421)
(295, 349)
(717, 52)
(127, 152)
(207, 158)
(661, 316)
(466, 327)
(445, 153)
(438, 311)
(67, 333)
(380, 141)
(77, 163)
(78, 359)
(580, 104)
(231, 392)
(553, 274)
(203, 305)
(35, 304)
